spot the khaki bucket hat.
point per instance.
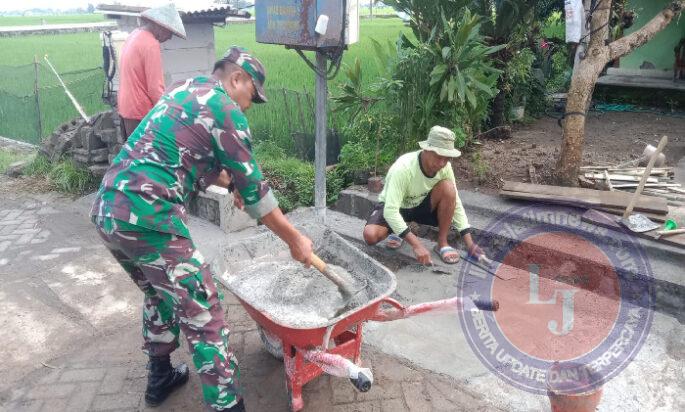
(441, 141)
(166, 16)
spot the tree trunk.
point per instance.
(498, 104)
(585, 76)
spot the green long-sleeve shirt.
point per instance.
(406, 186)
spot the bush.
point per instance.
(291, 179)
(358, 154)
(64, 175)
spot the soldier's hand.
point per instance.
(301, 250)
(238, 200)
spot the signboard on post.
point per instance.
(293, 23)
(325, 26)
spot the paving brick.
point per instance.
(23, 406)
(441, 389)
(50, 376)
(113, 381)
(26, 238)
(82, 375)
(252, 343)
(343, 391)
(28, 224)
(51, 391)
(56, 405)
(13, 214)
(381, 390)
(33, 230)
(393, 405)
(119, 401)
(83, 397)
(7, 229)
(439, 400)
(385, 367)
(371, 406)
(415, 397)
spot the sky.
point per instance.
(7, 5)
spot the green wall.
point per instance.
(659, 50)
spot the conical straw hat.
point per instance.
(166, 16)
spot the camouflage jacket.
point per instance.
(193, 132)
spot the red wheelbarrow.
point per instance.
(333, 345)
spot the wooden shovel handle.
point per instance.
(648, 171)
(670, 232)
(322, 267)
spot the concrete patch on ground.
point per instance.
(33, 324)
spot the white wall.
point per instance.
(182, 58)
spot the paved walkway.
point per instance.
(71, 327)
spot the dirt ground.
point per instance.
(611, 138)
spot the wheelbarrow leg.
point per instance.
(292, 363)
(358, 345)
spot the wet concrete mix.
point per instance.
(291, 294)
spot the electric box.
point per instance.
(307, 24)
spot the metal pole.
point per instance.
(35, 93)
(320, 144)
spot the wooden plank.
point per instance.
(533, 175)
(575, 203)
(602, 219)
(590, 197)
(619, 212)
(620, 177)
(634, 185)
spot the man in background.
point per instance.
(420, 187)
(141, 78)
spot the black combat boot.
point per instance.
(162, 379)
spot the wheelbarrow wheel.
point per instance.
(271, 343)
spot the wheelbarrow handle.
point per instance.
(399, 311)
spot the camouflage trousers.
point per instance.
(180, 295)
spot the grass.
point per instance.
(59, 19)
(7, 157)
(64, 175)
(78, 51)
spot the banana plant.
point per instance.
(462, 72)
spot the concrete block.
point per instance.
(98, 169)
(108, 135)
(216, 206)
(90, 140)
(16, 169)
(99, 155)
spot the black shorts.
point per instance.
(421, 214)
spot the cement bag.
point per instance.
(575, 15)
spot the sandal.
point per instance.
(443, 252)
(394, 242)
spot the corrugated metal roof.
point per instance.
(188, 9)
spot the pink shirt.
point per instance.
(141, 79)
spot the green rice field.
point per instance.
(81, 51)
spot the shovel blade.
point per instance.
(639, 223)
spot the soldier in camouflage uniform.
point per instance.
(196, 135)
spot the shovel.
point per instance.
(345, 288)
(637, 222)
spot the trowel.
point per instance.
(346, 290)
(638, 222)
